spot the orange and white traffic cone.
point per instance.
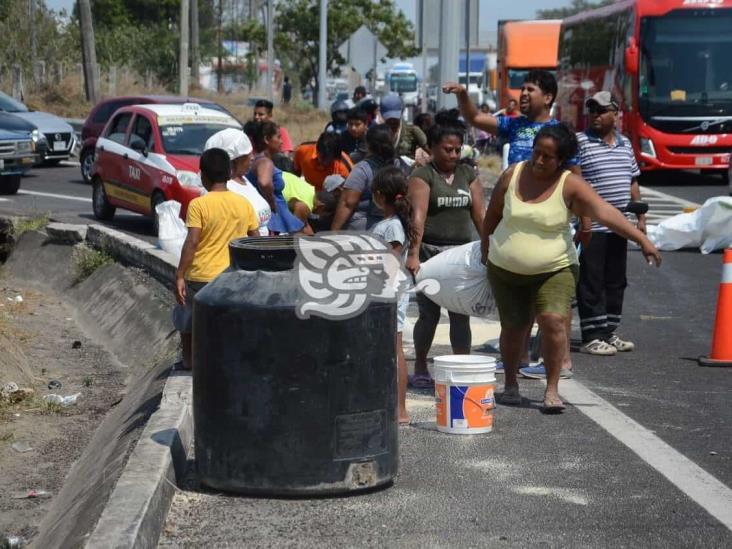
(721, 354)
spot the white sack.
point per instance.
(463, 282)
(172, 230)
(709, 228)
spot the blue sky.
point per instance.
(490, 10)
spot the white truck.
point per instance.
(402, 79)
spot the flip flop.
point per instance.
(510, 397)
(421, 381)
(553, 406)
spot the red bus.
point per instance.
(669, 62)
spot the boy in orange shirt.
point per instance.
(316, 161)
(213, 220)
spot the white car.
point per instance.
(58, 133)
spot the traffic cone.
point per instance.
(721, 354)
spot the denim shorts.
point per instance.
(183, 315)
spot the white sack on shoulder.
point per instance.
(463, 282)
(172, 230)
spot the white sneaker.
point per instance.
(598, 347)
(621, 345)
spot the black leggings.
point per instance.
(429, 317)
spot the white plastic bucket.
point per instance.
(464, 393)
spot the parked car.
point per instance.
(148, 154)
(12, 123)
(59, 134)
(16, 158)
(103, 111)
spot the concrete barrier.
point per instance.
(108, 498)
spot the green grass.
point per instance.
(87, 260)
(24, 224)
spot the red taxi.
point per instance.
(148, 154)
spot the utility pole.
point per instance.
(423, 46)
(270, 50)
(467, 44)
(88, 52)
(195, 44)
(323, 54)
(184, 44)
(449, 51)
(33, 29)
(219, 46)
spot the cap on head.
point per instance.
(234, 141)
(391, 106)
(603, 99)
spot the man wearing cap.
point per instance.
(608, 164)
(359, 92)
(407, 137)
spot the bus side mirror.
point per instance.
(631, 57)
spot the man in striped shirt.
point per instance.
(608, 164)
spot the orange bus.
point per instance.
(524, 46)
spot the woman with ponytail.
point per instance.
(389, 192)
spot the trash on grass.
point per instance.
(8, 389)
(76, 344)
(13, 542)
(62, 400)
(54, 384)
(32, 494)
(21, 447)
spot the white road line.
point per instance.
(52, 195)
(652, 193)
(711, 494)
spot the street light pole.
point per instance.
(184, 43)
(88, 52)
(270, 50)
(449, 51)
(423, 45)
(323, 54)
(195, 43)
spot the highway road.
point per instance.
(641, 458)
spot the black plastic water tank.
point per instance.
(285, 406)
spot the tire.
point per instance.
(9, 184)
(102, 208)
(86, 159)
(157, 198)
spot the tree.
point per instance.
(576, 6)
(297, 28)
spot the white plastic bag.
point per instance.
(172, 230)
(709, 228)
(463, 282)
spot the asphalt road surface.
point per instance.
(641, 458)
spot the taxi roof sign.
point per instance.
(192, 107)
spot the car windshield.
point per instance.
(685, 64)
(8, 104)
(188, 138)
(517, 77)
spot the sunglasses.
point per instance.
(601, 110)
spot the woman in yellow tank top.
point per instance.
(531, 259)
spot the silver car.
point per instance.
(59, 135)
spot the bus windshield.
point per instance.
(401, 83)
(685, 65)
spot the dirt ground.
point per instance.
(41, 342)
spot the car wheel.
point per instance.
(157, 198)
(102, 208)
(9, 184)
(87, 163)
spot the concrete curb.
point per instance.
(136, 511)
